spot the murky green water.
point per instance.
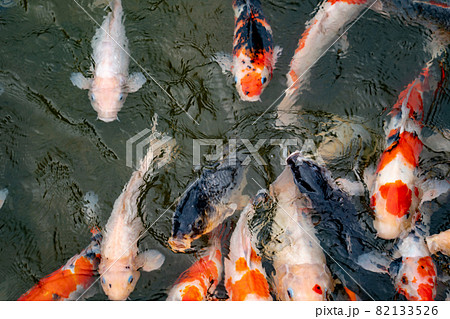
(53, 150)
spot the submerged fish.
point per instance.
(413, 272)
(111, 83)
(71, 280)
(245, 277)
(439, 242)
(254, 55)
(339, 224)
(396, 191)
(200, 280)
(298, 259)
(121, 260)
(320, 33)
(207, 203)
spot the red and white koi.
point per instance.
(414, 274)
(298, 259)
(439, 242)
(71, 280)
(320, 34)
(121, 260)
(254, 55)
(111, 83)
(245, 277)
(397, 191)
(200, 280)
(416, 278)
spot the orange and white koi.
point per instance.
(245, 277)
(298, 259)
(416, 278)
(121, 260)
(318, 37)
(254, 56)
(200, 280)
(111, 83)
(413, 272)
(71, 280)
(396, 191)
(439, 242)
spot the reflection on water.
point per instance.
(55, 156)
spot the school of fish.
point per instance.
(302, 238)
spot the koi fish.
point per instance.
(298, 259)
(245, 277)
(111, 83)
(439, 242)
(254, 56)
(318, 37)
(339, 224)
(207, 203)
(396, 191)
(200, 280)
(413, 273)
(72, 279)
(121, 260)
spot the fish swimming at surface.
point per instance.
(254, 56)
(111, 83)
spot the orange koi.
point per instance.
(72, 279)
(200, 280)
(245, 277)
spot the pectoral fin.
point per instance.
(224, 60)
(276, 54)
(375, 262)
(80, 81)
(150, 260)
(135, 82)
(433, 189)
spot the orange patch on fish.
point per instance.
(252, 282)
(302, 41)
(408, 146)
(426, 267)
(61, 283)
(191, 293)
(398, 198)
(241, 264)
(251, 84)
(317, 289)
(425, 292)
(351, 294)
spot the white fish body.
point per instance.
(120, 254)
(111, 83)
(301, 270)
(320, 34)
(3, 195)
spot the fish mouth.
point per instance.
(179, 245)
(107, 119)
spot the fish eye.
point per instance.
(263, 80)
(103, 280)
(235, 80)
(92, 97)
(120, 97)
(130, 279)
(290, 293)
